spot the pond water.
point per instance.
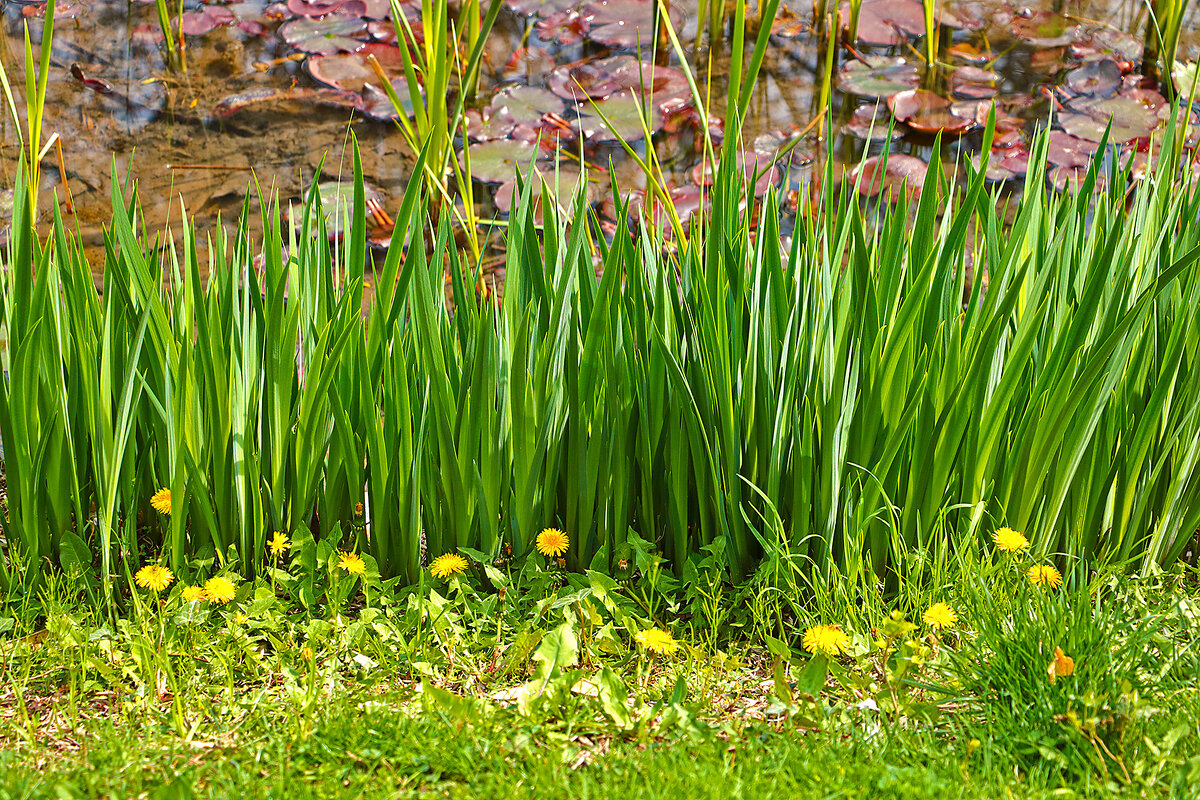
(269, 90)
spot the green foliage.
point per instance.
(1068, 678)
(843, 404)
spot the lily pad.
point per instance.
(598, 79)
(927, 112)
(332, 34)
(1108, 43)
(542, 8)
(995, 172)
(888, 22)
(512, 108)
(62, 11)
(198, 23)
(498, 161)
(759, 167)
(1066, 150)
(562, 186)
(565, 27)
(686, 199)
(889, 175)
(351, 71)
(1088, 117)
(874, 123)
(878, 76)
(337, 203)
(1095, 77)
(1070, 179)
(319, 8)
(1044, 29)
(973, 83)
(623, 23)
(617, 117)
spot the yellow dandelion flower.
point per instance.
(352, 563)
(829, 639)
(161, 501)
(240, 618)
(1010, 541)
(154, 577)
(446, 565)
(306, 654)
(657, 641)
(552, 542)
(939, 615)
(1045, 575)
(220, 589)
(279, 544)
(193, 593)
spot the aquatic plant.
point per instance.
(846, 381)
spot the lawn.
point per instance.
(534, 682)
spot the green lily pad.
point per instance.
(498, 161)
(618, 117)
(878, 76)
(332, 34)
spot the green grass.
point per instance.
(368, 745)
(463, 689)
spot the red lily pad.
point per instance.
(758, 167)
(973, 82)
(198, 23)
(965, 51)
(351, 71)
(598, 79)
(927, 112)
(686, 199)
(332, 34)
(562, 186)
(1108, 43)
(878, 76)
(874, 123)
(1095, 77)
(1045, 29)
(1070, 179)
(565, 27)
(542, 8)
(319, 8)
(62, 11)
(889, 22)
(1014, 159)
(498, 161)
(623, 23)
(1066, 150)
(995, 172)
(889, 175)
